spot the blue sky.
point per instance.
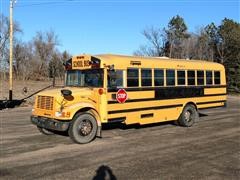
(108, 26)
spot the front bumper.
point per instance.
(51, 124)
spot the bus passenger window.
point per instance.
(216, 77)
(158, 77)
(209, 77)
(132, 78)
(181, 77)
(170, 74)
(146, 77)
(191, 77)
(115, 78)
(200, 77)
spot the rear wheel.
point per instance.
(83, 128)
(45, 131)
(189, 116)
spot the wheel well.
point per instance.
(92, 111)
(191, 103)
(83, 110)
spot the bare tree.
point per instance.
(22, 55)
(45, 44)
(155, 40)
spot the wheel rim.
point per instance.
(85, 128)
(188, 116)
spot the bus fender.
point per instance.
(87, 107)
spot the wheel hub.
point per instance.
(187, 116)
(85, 128)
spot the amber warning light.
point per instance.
(68, 64)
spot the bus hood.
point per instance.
(51, 101)
(56, 92)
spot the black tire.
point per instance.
(83, 128)
(188, 116)
(45, 131)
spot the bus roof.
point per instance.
(124, 62)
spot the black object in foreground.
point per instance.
(10, 103)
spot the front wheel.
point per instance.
(83, 128)
(189, 116)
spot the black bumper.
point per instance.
(51, 124)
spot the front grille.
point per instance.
(45, 102)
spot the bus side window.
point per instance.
(191, 77)
(170, 75)
(146, 77)
(200, 77)
(132, 78)
(216, 77)
(158, 77)
(115, 78)
(209, 77)
(181, 77)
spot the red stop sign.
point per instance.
(121, 96)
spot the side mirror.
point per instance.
(66, 92)
(113, 75)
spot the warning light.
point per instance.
(100, 91)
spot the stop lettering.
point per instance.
(121, 96)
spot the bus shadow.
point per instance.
(118, 125)
(202, 114)
(122, 126)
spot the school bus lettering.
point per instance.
(77, 64)
(80, 64)
(113, 88)
(86, 63)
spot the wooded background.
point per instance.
(40, 58)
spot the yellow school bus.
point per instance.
(132, 90)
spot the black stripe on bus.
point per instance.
(147, 115)
(211, 102)
(166, 87)
(118, 119)
(154, 99)
(144, 109)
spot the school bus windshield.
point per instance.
(85, 78)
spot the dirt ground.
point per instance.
(208, 150)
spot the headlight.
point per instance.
(62, 114)
(58, 114)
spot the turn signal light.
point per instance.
(100, 91)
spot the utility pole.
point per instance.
(11, 51)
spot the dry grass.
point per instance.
(32, 86)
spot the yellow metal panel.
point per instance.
(214, 91)
(122, 62)
(210, 105)
(143, 104)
